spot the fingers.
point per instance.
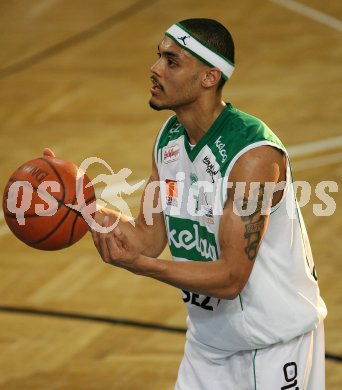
(122, 241)
(108, 247)
(118, 238)
(103, 243)
(95, 235)
(47, 152)
(113, 247)
(96, 238)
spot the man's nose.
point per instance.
(155, 68)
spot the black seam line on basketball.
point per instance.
(93, 318)
(60, 203)
(55, 228)
(58, 225)
(57, 173)
(112, 321)
(36, 188)
(79, 213)
(12, 215)
(79, 183)
(76, 39)
(72, 230)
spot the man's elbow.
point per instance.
(231, 290)
(229, 293)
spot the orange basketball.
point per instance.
(44, 203)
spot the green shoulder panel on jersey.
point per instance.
(171, 130)
(239, 131)
(231, 133)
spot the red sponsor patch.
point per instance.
(170, 154)
(171, 192)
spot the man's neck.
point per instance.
(198, 119)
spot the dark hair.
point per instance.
(214, 35)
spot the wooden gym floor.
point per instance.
(74, 75)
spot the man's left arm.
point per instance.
(240, 233)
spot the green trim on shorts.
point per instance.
(241, 302)
(255, 387)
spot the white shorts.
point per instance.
(296, 365)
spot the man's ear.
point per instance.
(211, 77)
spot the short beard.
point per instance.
(157, 107)
(169, 106)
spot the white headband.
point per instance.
(190, 43)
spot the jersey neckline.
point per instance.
(193, 152)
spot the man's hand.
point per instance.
(47, 152)
(114, 247)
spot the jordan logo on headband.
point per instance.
(184, 38)
(193, 45)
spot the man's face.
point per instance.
(176, 77)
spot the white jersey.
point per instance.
(281, 299)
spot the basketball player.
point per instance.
(242, 259)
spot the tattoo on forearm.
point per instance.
(254, 224)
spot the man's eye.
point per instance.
(171, 63)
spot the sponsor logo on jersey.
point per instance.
(170, 154)
(208, 210)
(210, 168)
(193, 178)
(221, 148)
(190, 240)
(171, 192)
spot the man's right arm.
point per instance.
(149, 232)
(150, 223)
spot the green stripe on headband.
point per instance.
(198, 49)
